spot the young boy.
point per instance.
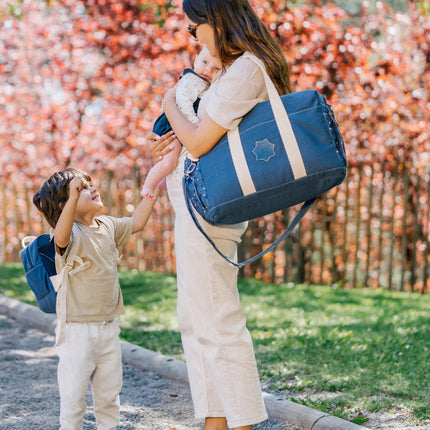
(89, 299)
(188, 91)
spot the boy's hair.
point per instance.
(53, 195)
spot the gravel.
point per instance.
(29, 397)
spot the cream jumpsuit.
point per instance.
(218, 347)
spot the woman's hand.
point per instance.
(159, 146)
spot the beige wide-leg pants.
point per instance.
(90, 353)
(218, 347)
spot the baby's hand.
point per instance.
(145, 192)
(75, 187)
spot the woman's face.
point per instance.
(206, 35)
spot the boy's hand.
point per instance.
(75, 187)
(161, 187)
(64, 226)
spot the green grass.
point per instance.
(345, 351)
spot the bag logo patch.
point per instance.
(264, 150)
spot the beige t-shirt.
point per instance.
(94, 294)
(235, 93)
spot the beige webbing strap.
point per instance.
(60, 283)
(239, 161)
(285, 130)
(284, 125)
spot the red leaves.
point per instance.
(84, 84)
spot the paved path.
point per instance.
(29, 395)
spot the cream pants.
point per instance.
(218, 348)
(90, 354)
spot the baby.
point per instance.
(188, 92)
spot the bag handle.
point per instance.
(300, 214)
(282, 121)
(26, 241)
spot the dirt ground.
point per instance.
(29, 397)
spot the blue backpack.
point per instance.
(38, 259)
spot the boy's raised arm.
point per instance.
(63, 229)
(143, 211)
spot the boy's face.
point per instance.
(89, 201)
(207, 66)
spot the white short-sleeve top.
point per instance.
(235, 93)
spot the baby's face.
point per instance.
(207, 66)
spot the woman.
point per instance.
(218, 348)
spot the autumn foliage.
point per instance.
(81, 81)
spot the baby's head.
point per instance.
(53, 195)
(207, 66)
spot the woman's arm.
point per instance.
(198, 138)
(238, 90)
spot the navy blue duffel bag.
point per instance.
(287, 150)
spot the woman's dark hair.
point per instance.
(238, 29)
(53, 195)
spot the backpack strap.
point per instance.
(58, 279)
(60, 283)
(300, 214)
